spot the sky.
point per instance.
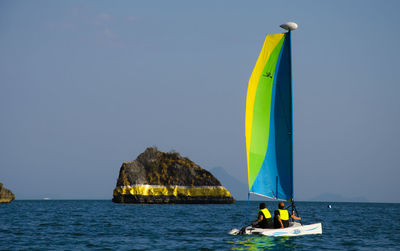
(87, 85)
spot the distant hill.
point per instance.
(338, 198)
(237, 188)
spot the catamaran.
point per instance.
(269, 130)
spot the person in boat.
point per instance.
(282, 216)
(264, 219)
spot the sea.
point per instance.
(104, 225)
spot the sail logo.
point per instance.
(268, 75)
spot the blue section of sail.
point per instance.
(283, 124)
(275, 178)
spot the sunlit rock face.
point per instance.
(159, 177)
(6, 196)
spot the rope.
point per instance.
(247, 208)
(295, 209)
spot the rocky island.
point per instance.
(159, 177)
(6, 196)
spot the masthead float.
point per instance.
(269, 129)
(289, 26)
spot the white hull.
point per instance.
(295, 229)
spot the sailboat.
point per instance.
(269, 130)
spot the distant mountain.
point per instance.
(332, 197)
(237, 188)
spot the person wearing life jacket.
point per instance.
(264, 219)
(282, 216)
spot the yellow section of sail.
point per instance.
(149, 190)
(269, 45)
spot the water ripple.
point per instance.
(71, 225)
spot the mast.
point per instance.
(291, 95)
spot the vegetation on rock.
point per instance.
(6, 195)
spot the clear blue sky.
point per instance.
(86, 85)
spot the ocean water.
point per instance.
(80, 224)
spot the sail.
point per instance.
(269, 121)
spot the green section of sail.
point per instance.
(261, 114)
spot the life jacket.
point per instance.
(284, 214)
(265, 213)
(267, 219)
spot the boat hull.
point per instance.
(295, 229)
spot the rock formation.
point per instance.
(158, 177)
(6, 195)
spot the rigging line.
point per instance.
(295, 209)
(293, 206)
(247, 208)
